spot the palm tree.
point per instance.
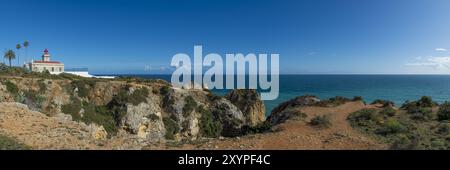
(10, 55)
(18, 46)
(25, 45)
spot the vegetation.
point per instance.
(83, 86)
(321, 121)
(138, 96)
(384, 103)
(444, 112)
(164, 90)
(172, 128)
(334, 101)
(406, 128)
(11, 87)
(209, 125)
(388, 111)
(9, 55)
(7, 143)
(189, 106)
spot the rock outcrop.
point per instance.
(143, 111)
(287, 110)
(250, 103)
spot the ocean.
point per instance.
(397, 88)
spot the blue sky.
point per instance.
(311, 36)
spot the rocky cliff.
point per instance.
(148, 110)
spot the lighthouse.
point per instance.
(53, 67)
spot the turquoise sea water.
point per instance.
(397, 88)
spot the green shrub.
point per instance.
(334, 101)
(99, 115)
(189, 105)
(443, 129)
(8, 143)
(73, 108)
(321, 121)
(172, 128)
(42, 86)
(11, 87)
(138, 96)
(403, 142)
(444, 112)
(153, 117)
(155, 91)
(260, 128)
(83, 86)
(426, 101)
(164, 90)
(357, 98)
(33, 99)
(424, 113)
(209, 126)
(388, 111)
(363, 117)
(392, 126)
(385, 103)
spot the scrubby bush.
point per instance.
(388, 111)
(403, 142)
(426, 101)
(189, 105)
(334, 101)
(364, 117)
(138, 96)
(83, 86)
(209, 126)
(321, 121)
(42, 86)
(8, 143)
(392, 126)
(444, 112)
(415, 106)
(384, 103)
(443, 129)
(357, 98)
(99, 115)
(164, 90)
(155, 91)
(424, 113)
(11, 87)
(73, 108)
(172, 128)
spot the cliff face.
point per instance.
(250, 103)
(147, 110)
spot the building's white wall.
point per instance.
(52, 68)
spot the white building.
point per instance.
(54, 67)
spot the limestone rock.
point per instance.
(250, 103)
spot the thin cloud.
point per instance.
(437, 63)
(440, 49)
